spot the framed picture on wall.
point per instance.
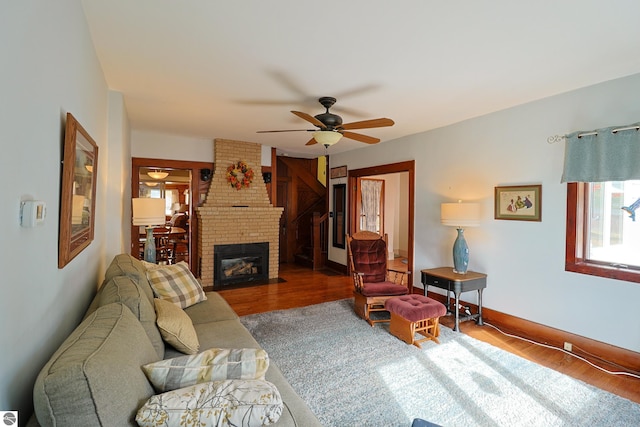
(519, 202)
(338, 172)
(78, 195)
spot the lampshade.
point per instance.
(327, 137)
(460, 214)
(147, 211)
(158, 174)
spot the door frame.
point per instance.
(409, 167)
(196, 191)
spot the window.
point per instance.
(603, 229)
(171, 197)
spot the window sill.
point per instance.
(604, 271)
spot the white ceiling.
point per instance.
(226, 69)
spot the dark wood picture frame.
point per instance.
(338, 172)
(519, 202)
(339, 215)
(78, 191)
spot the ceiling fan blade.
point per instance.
(360, 137)
(311, 142)
(365, 124)
(310, 119)
(288, 130)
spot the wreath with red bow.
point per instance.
(239, 175)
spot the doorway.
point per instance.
(404, 172)
(185, 185)
(370, 200)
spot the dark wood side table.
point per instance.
(445, 278)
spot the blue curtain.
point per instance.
(608, 154)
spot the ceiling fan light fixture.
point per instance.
(158, 174)
(327, 137)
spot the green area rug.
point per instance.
(351, 374)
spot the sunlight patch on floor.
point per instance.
(483, 386)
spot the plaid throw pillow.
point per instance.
(214, 364)
(176, 283)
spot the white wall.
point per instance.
(155, 145)
(524, 260)
(119, 188)
(49, 68)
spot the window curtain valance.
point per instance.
(609, 154)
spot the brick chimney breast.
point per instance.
(232, 216)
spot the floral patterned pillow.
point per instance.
(217, 403)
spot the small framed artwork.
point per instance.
(339, 172)
(519, 202)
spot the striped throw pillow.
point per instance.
(214, 364)
(176, 283)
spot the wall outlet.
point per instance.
(568, 346)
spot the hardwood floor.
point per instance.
(302, 287)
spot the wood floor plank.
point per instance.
(302, 287)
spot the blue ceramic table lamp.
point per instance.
(149, 212)
(460, 215)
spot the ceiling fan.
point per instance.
(330, 128)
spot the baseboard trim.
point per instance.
(340, 268)
(540, 333)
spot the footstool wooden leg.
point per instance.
(401, 328)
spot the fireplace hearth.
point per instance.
(240, 264)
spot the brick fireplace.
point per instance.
(229, 216)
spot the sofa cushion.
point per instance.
(176, 327)
(126, 265)
(177, 284)
(217, 403)
(94, 378)
(214, 364)
(213, 309)
(123, 289)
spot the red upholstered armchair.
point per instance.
(374, 282)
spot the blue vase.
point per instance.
(460, 253)
(150, 247)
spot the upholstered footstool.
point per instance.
(411, 314)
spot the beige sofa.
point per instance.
(95, 377)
